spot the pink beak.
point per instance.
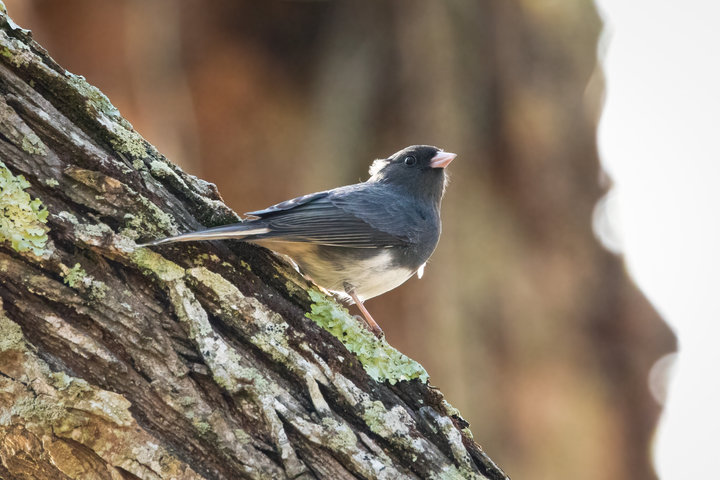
(442, 159)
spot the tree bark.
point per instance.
(205, 360)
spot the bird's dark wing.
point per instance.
(322, 218)
(388, 210)
(288, 204)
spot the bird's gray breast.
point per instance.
(424, 232)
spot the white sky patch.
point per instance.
(659, 140)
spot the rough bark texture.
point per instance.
(212, 360)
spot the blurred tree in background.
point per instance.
(520, 310)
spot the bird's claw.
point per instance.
(378, 332)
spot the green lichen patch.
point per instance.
(78, 279)
(381, 361)
(154, 263)
(128, 141)
(293, 288)
(450, 411)
(22, 219)
(203, 428)
(14, 50)
(73, 277)
(203, 258)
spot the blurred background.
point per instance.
(527, 324)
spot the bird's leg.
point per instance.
(369, 321)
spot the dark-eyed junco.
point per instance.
(361, 240)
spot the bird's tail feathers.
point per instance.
(236, 231)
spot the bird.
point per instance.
(357, 241)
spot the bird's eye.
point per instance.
(410, 161)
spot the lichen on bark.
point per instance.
(380, 360)
(22, 218)
(77, 425)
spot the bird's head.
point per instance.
(419, 168)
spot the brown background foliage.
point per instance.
(529, 327)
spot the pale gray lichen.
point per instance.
(17, 132)
(242, 437)
(163, 170)
(384, 422)
(451, 472)
(31, 143)
(150, 221)
(98, 290)
(97, 98)
(78, 279)
(341, 435)
(11, 336)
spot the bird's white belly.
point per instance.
(372, 277)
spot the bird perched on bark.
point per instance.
(360, 240)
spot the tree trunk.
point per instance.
(204, 360)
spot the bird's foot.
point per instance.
(376, 330)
